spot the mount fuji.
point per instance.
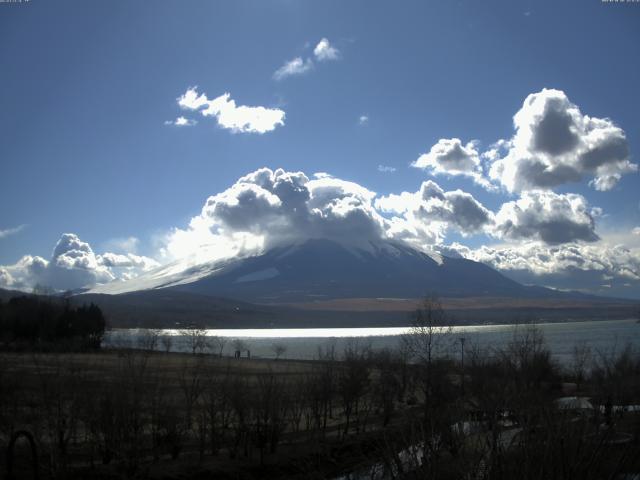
(321, 269)
(321, 282)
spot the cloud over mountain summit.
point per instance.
(554, 144)
(268, 208)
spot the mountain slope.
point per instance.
(323, 269)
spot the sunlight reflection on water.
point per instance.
(303, 343)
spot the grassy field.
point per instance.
(147, 414)
(150, 414)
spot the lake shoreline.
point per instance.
(303, 344)
(406, 325)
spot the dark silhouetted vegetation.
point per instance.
(49, 322)
(406, 413)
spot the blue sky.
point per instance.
(87, 89)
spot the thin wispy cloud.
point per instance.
(294, 67)
(386, 169)
(322, 52)
(122, 244)
(11, 231)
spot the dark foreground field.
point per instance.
(353, 414)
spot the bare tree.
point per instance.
(298, 395)
(428, 342)
(191, 384)
(239, 345)
(278, 349)
(217, 344)
(240, 402)
(59, 400)
(429, 333)
(217, 407)
(324, 385)
(353, 380)
(196, 339)
(167, 342)
(386, 384)
(148, 340)
(579, 361)
(527, 357)
(270, 407)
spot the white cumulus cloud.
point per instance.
(450, 157)
(423, 218)
(242, 119)
(72, 265)
(269, 207)
(324, 51)
(182, 122)
(546, 216)
(555, 144)
(549, 234)
(573, 266)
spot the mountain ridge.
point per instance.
(321, 269)
(324, 283)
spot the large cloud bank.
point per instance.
(554, 144)
(536, 233)
(269, 207)
(541, 236)
(546, 233)
(72, 265)
(605, 268)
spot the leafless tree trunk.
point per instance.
(278, 349)
(167, 342)
(196, 339)
(217, 344)
(580, 359)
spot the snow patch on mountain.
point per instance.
(265, 274)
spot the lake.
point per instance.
(303, 343)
